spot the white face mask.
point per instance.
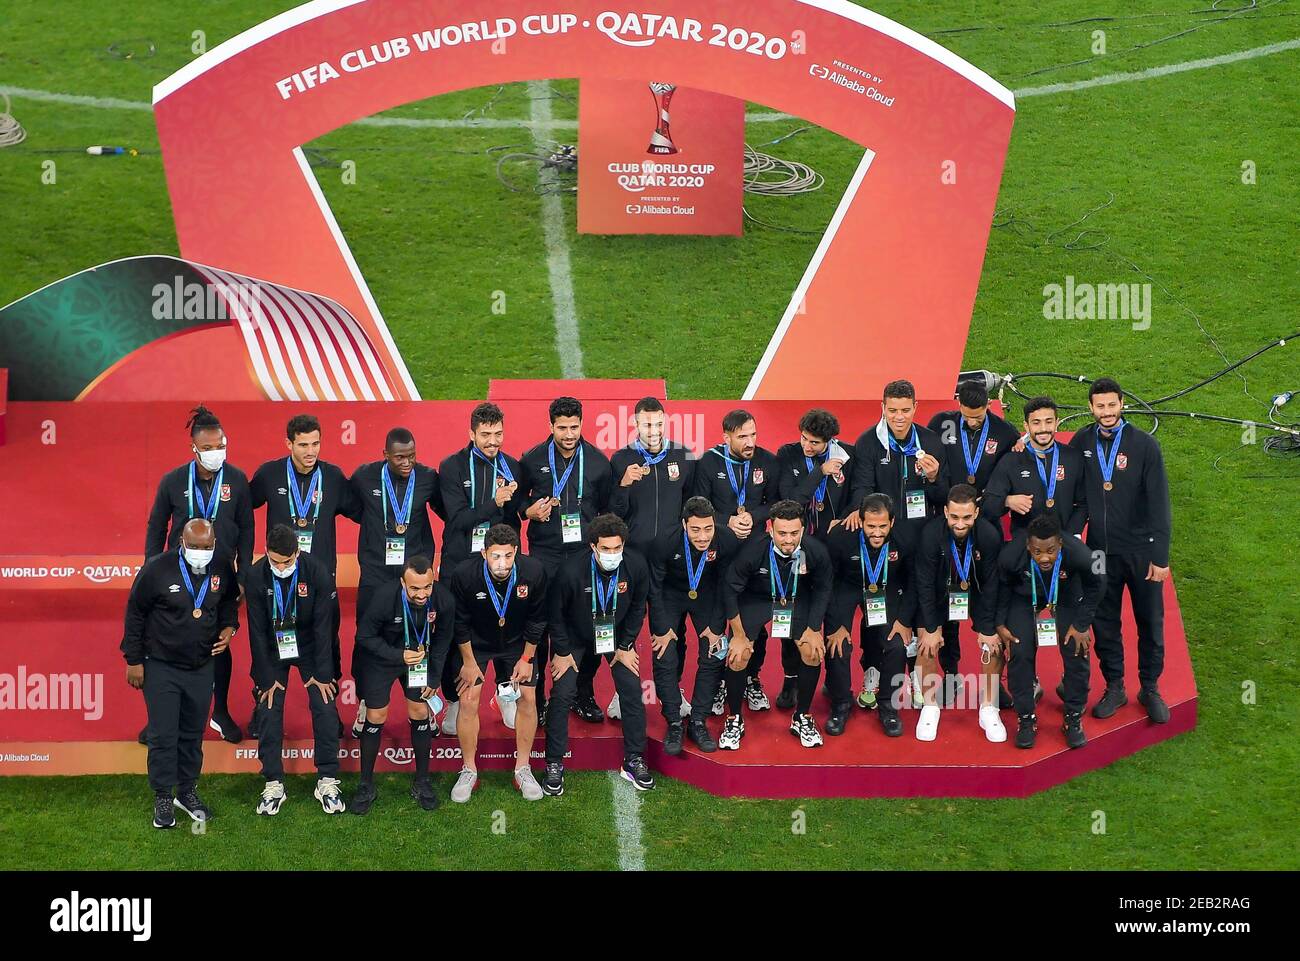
(212, 459)
(286, 573)
(783, 554)
(196, 558)
(609, 562)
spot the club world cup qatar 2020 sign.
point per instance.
(902, 253)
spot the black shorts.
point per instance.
(504, 662)
(375, 683)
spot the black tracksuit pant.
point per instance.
(1148, 599)
(754, 618)
(324, 726)
(882, 649)
(668, 670)
(565, 690)
(177, 700)
(1021, 669)
(950, 653)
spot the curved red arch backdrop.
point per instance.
(904, 247)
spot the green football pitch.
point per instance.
(1179, 179)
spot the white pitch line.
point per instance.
(627, 822)
(557, 240)
(1153, 72)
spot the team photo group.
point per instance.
(857, 562)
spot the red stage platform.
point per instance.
(72, 532)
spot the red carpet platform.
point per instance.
(77, 480)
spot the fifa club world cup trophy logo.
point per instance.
(661, 141)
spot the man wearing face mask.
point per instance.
(686, 568)
(182, 612)
(1048, 598)
(403, 639)
(974, 438)
(306, 494)
(782, 578)
(1043, 477)
(291, 604)
(500, 616)
(566, 483)
(208, 488)
(597, 607)
(396, 495)
(956, 577)
(742, 480)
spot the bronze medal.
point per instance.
(198, 612)
(400, 528)
(302, 522)
(692, 594)
(970, 478)
(965, 585)
(873, 588)
(740, 508)
(1051, 502)
(1107, 486)
(821, 505)
(501, 622)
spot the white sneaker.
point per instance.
(449, 719)
(508, 711)
(991, 723)
(527, 784)
(359, 724)
(614, 712)
(733, 729)
(330, 797)
(918, 699)
(272, 798)
(685, 711)
(804, 728)
(871, 679)
(927, 725)
(464, 786)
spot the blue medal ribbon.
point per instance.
(650, 459)
(1048, 477)
(557, 487)
(873, 571)
(727, 459)
(400, 516)
(597, 591)
(1107, 464)
(498, 603)
(279, 605)
(963, 565)
(499, 466)
(973, 466)
(1036, 575)
(913, 446)
(197, 599)
(694, 575)
(420, 637)
(778, 583)
(820, 494)
(300, 508)
(194, 496)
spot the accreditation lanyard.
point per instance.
(911, 450)
(558, 486)
(874, 576)
(961, 561)
(197, 599)
(608, 606)
(778, 582)
(820, 496)
(650, 459)
(194, 496)
(738, 490)
(401, 515)
(694, 574)
(500, 604)
(281, 612)
(1049, 593)
(1107, 462)
(1047, 476)
(499, 468)
(408, 631)
(973, 463)
(298, 509)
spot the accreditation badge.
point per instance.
(873, 605)
(958, 605)
(478, 537)
(1046, 631)
(604, 628)
(915, 501)
(571, 528)
(417, 675)
(782, 621)
(395, 550)
(286, 643)
(304, 541)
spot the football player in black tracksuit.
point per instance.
(783, 578)
(402, 639)
(686, 569)
(1048, 596)
(182, 612)
(501, 612)
(480, 488)
(742, 482)
(209, 488)
(598, 604)
(291, 604)
(874, 575)
(1129, 519)
(653, 476)
(307, 494)
(813, 475)
(1045, 477)
(566, 482)
(974, 438)
(905, 461)
(956, 580)
(395, 496)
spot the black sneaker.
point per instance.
(553, 781)
(363, 798)
(838, 720)
(587, 709)
(163, 815)
(1028, 731)
(789, 689)
(188, 801)
(143, 736)
(225, 726)
(673, 738)
(1156, 707)
(889, 720)
(699, 733)
(1111, 701)
(636, 772)
(1073, 729)
(423, 792)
